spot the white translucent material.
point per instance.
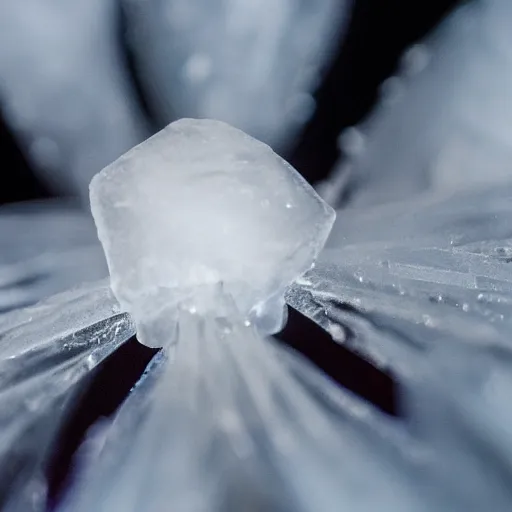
(251, 63)
(232, 423)
(200, 204)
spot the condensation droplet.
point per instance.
(415, 60)
(45, 152)
(351, 141)
(198, 68)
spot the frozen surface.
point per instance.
(251, 63)
(444, 119)
(202, 204)
(63, 87)
(421, 285)
(234, 423)
(423, 288)
(49, 247)
(46, 354)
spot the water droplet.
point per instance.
(391, 89)
(428, 321)
(351, 141)
(415, 60)
(300, 107)
(337, 332)
(198, 68)
(46, 153)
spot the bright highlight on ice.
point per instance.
(202, 209)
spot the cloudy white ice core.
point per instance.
(202, 209)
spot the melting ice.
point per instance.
(199, 205)
(229, 421)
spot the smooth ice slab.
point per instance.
(202, 204)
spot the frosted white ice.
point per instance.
(251, 63)
(203, 204)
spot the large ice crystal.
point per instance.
(250, 63)
(443, 120)
(217, 424)
(64, 89)
(202, 204)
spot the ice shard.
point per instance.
(198, 205)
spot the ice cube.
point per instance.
(199, 205)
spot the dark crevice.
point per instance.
(132, 73)
(109, 384)
(18, 181)
(340, 363)
(378, 33)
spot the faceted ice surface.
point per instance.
(202, 203)
(251, 63)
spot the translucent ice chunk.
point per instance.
(199, 204)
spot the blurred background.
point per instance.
(82, 81)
